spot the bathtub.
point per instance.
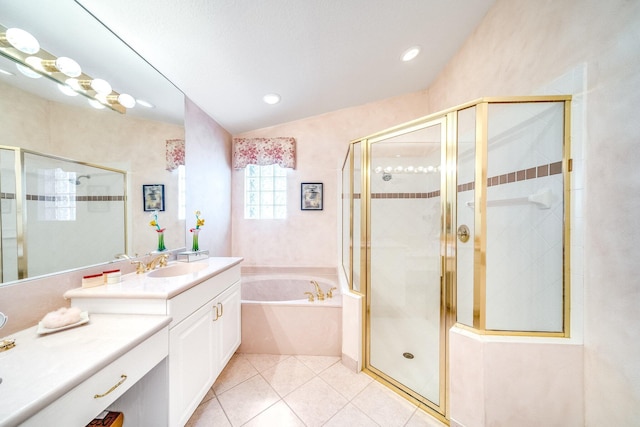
(277, 317)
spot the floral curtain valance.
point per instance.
(175, 154)
(264, 151)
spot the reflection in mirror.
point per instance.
(37, 117)
(75, 212)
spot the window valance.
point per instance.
(264, 151)
(175, 154)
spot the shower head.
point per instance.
(77, 180)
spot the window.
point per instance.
(265, 192)
(59, 195)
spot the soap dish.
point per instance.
(84, 318)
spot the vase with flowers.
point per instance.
(195, 247)
(160, 231)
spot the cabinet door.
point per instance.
(227, 325)
(191, 363)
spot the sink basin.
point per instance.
(179, 269)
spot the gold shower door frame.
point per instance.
(448, 237)
(446, 321)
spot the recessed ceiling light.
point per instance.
(410, 53)
(272, 98)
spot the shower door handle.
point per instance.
(463, 233)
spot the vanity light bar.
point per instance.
(20, 47)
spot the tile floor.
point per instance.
(258, 390)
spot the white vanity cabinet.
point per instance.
(204, 332)
(199, 348)
(67, 378)
(228, 326)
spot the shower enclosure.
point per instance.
(457, 218)
(57, 214)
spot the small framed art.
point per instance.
(153, 197)
(311, 196)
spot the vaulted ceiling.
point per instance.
(318, 55)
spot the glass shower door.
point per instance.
(405, 334)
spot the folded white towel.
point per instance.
(61, 317)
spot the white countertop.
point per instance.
(135, 285)
(42, 368)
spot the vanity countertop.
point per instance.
(42, 368)
(141, 286)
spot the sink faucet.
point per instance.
(159, 261)
(319, 292)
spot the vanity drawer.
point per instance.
(80, 405)
(183, 305)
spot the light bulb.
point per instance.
(74, 84)
(126, 100)
(96, 104)
(28, 71)
(101, 86)
(378, 169)
(67, 90)
(22, 40)
(68, 66)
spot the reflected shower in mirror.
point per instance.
(36, 116)
(53, 217)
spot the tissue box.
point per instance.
(108, 419)
(190, 256)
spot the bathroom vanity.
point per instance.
(203, 300)
(68, 377)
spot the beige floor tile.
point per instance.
(278, 415)
(383, 405)
(318, 363)
(422, 419)
(209, 414)
(352, 417)
(262, 362)
(210, 395)
(287, 375)
(315, 402)
(345, 381)
(237, 370)
(248, 399)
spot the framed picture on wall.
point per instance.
(153, 197)
(311, 196)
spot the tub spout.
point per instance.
(319, 292)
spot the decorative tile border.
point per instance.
(521, 175)
(507, 178)
(41, 198)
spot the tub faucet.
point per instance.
(319, 292)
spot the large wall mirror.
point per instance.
(67, 145)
